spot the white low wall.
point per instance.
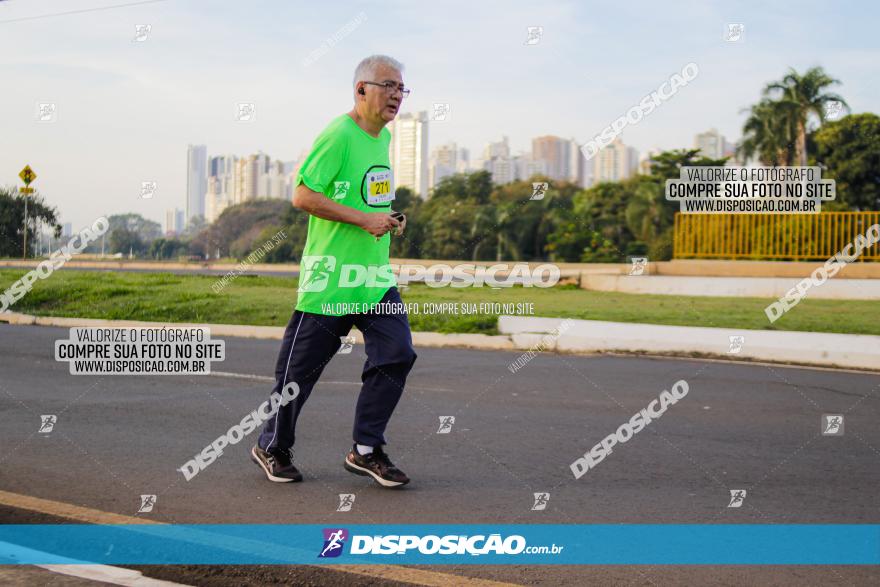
(841, 350)
(519, 333)
(752, 287)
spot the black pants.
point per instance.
(311, 340)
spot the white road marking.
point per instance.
(83, 569)
(272, 380)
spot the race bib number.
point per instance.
(380, 187)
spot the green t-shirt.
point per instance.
(344, 269)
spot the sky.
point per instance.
(126, 110)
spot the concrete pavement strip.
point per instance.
(853, 351)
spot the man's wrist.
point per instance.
(360, 219)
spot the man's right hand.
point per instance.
(317, 204)
(378, 224)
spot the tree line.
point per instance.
(467, 217)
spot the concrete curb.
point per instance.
(854, 351)
(732, 287)
(682, 267)
(857, 351)
(428, 339)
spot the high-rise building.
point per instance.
(294, 172)
(262, 182)
(497, 161)
(645, 160)
(712, 144)
(173, 221)
(276, 181)
(246, 179)
(579, 172)
(221, 185)
(615, 162)
(196, 181)
(233, 180)
(409, 152)
(526, 166)
(463, 164)
(499, 149)
(444, 162)
(556, 152)
(503, 169)
(560, 160)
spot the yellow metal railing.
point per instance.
(771, 236)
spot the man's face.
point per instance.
(379, 102)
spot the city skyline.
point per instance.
(125, 108)
(231, 179)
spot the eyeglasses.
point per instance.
(390, 87)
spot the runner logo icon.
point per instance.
(346, 500)
(316, 271)
(833, 425)
(47, 423)
(340, 189)
(446, 423)
(541, 500)
(334, 541)
(147, 503)
(737, 497)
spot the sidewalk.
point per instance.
(854, 351)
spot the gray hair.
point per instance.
(366, 69)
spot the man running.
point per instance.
(346, 185)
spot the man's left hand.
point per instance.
(401, 227)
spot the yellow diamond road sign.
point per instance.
(27, 175)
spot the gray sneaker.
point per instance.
(376, 465)
(276, 464)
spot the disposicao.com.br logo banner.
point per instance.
(430, 544)
(442, 544)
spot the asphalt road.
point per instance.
(741, 426)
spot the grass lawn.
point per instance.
(269, 301)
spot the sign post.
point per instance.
(27, 175)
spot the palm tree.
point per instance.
(506, 227)
(803, 95)
(769, 133)
(481, 229)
